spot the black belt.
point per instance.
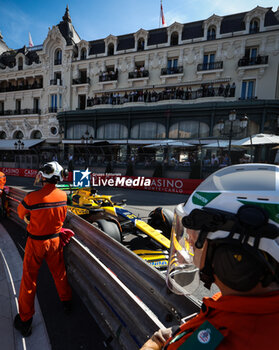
(42, 237)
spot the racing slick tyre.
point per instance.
(161, 219)
(110, 228)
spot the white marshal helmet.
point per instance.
(51, 172)
(238, 203)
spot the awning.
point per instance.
(170, 143)
(116, 142)
(9, 145)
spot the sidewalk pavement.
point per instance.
(10, 277)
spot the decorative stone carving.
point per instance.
(27, 124)
(190, 56)
(9, 125)
(123, 65)
(155, 61)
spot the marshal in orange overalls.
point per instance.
(246, 322)
(2, 181)
(47, 209)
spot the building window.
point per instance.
(36, 134)
(208, 61)
(18, 106)
(187, 129)
(75, 132)
(54, 130)
(140, 44)
(251, 53)
(58, 57)
(20, 63)
(148, 130)
(57, 78)
(172, 65)
(254, 26)
(36, 104)
(211, 33)
(81, 101)
(112, 131)
(2, 107)
(18, 135)
(110, 49)
(2, 135)
(248, 89)
(55, 102)
(83, 54)
(174, 39)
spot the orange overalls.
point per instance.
(246, 322)
(47, 209)
(2, 181)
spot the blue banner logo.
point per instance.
(82, 178)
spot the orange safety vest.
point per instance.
(2, 180)
(47, 208)
(246, 322)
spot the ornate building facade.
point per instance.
(175, 83)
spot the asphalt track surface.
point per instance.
(79, 329)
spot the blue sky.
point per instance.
(97, 19)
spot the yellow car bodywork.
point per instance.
(85, 202)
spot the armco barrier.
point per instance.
(157, 184)
(126, 296)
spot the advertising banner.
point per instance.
(157, 184)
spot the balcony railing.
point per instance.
(55, 82)
(21, 87)
(210, 66)
(174, 93)
(52, 109)
(251, 61)
(20, 111)
(138, 74)
(57, 62)
(85, 80)
(172, 70)
(108, 76)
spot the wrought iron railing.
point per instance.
(21, 87)
(55, 82)
(108, 76)
(20, 111)
(85, 80)
(251, 61)
(210, 66)
(52, 109)
(138, 74)
(172, 70)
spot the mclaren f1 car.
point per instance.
(149, 240)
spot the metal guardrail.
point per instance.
(127, 297)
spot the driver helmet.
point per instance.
(229, 228)
(51, 172)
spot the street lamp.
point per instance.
(232, 118)
(19, 145)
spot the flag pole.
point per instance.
(160, 14)
(162, 17)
